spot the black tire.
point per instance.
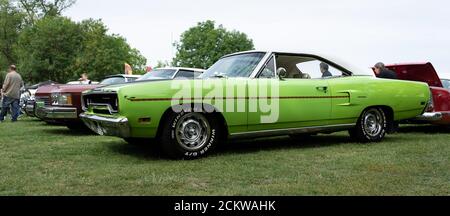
(198, 135)
(371, 127)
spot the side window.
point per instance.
(269, 70)
(197, 74)
(131, 79)
(184, 74)
(315, 69)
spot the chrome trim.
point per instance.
(107, 126)
(437, 116)
(260, 65)
(101, 105)
(84, 106)
(292, 131)
(30, 108)
(59, 113)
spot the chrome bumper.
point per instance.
(29, 108)
(118, 127)
(58, 113)
(437, 116)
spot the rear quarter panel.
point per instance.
(407, 99)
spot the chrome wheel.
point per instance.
(193, 131)
(373, 122)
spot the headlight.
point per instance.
(61, 99)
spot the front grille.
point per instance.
(109, 100)
(45, 99)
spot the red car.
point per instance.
(61, 104)
(439, 112)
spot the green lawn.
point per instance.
(37, 159)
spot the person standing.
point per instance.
(11, 94)
(84, 80)
(382, 72)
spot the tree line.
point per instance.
(45, 45)
(48, 46)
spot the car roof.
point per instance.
(182, 68)
(336, 60)
(123, 75)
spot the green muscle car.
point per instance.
(254, 94)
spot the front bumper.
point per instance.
(58, 113)
(29, 108)
(435, 116)
(117, 127)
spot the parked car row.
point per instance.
(149, 109)
(61, 104)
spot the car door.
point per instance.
(291, 102)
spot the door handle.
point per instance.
(322, 88)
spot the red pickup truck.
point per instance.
(439, 112)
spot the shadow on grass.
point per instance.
(282, 143)
(152, 152)
(61, 130)
(426, 129)
(148, 151)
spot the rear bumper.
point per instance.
(117, 127)
(63, 113)
(435, 116)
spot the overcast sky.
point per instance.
(362, 32)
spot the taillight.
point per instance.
(430, 107)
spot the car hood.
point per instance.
(48, 89)
(422, 72)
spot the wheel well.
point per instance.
(217, 114)
(389, 112)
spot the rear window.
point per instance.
(113, 81)
(158, 74)
(446, 84)
(187, 74)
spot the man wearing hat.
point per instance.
(11, 94)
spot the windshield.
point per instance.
(235, 66)
(113, 81)
(446, 84)
(159, 74)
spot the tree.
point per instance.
(11, 23)
(58, 49)
(162, 64)
(104, 54)
(46, 50)
(202, 45)
(37, 9)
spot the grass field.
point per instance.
(37, 159)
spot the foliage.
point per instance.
(37, 9)
(202, 45)
(58, 49)
(11, 23)
(47, 50)
(162, 64)
(2, 77)
(102, 54)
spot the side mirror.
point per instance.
(282, 73)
